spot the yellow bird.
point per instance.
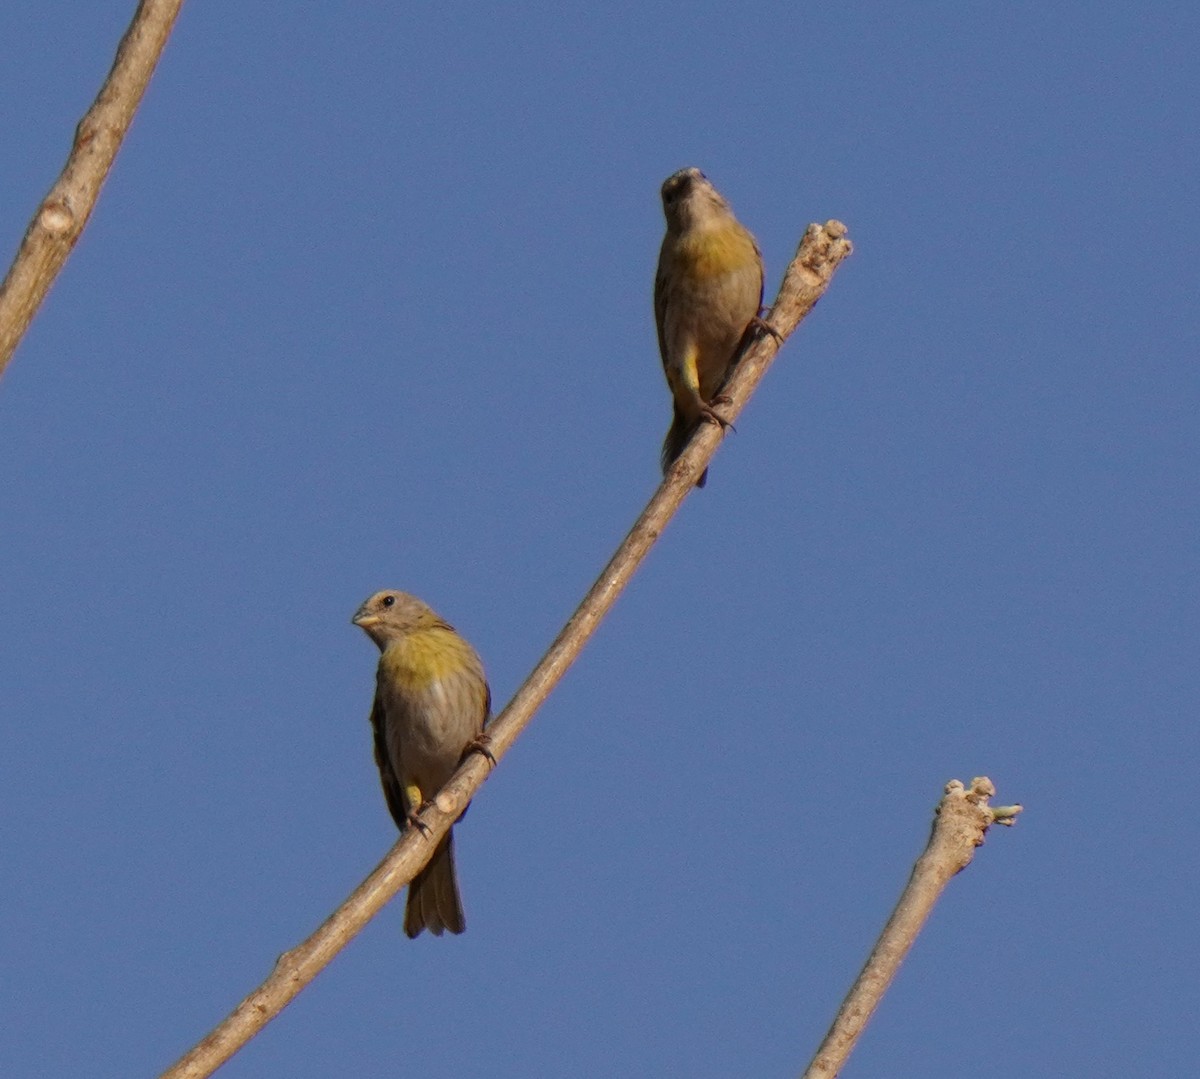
(707, 296)
(431, 703)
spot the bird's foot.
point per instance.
(481, 743)
(414, 819)
(760, 324)
(709, 413)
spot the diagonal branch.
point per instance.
(821, 251)
(65, 210)
(960, 822)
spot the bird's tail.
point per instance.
(433, 900)
(677, 438)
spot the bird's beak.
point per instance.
(365, 619)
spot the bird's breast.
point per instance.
(713, 252)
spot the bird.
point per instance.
(432, 702)
(708, 292)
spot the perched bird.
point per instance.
(431, 703)
(707, 294)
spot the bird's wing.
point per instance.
(393, 789)
(660, 310)
(761, 272)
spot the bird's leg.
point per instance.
(685, 385)
(412, 794)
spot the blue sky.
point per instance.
(366, 303)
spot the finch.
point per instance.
(431, 703)
(707, 294)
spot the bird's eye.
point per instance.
(388, 601)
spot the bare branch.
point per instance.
(64, 212)
(819, 254)
(959, 824)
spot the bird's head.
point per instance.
(390, 614)
(689, 199)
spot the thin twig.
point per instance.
(821, 250)
(63, 213)
(959, 824)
